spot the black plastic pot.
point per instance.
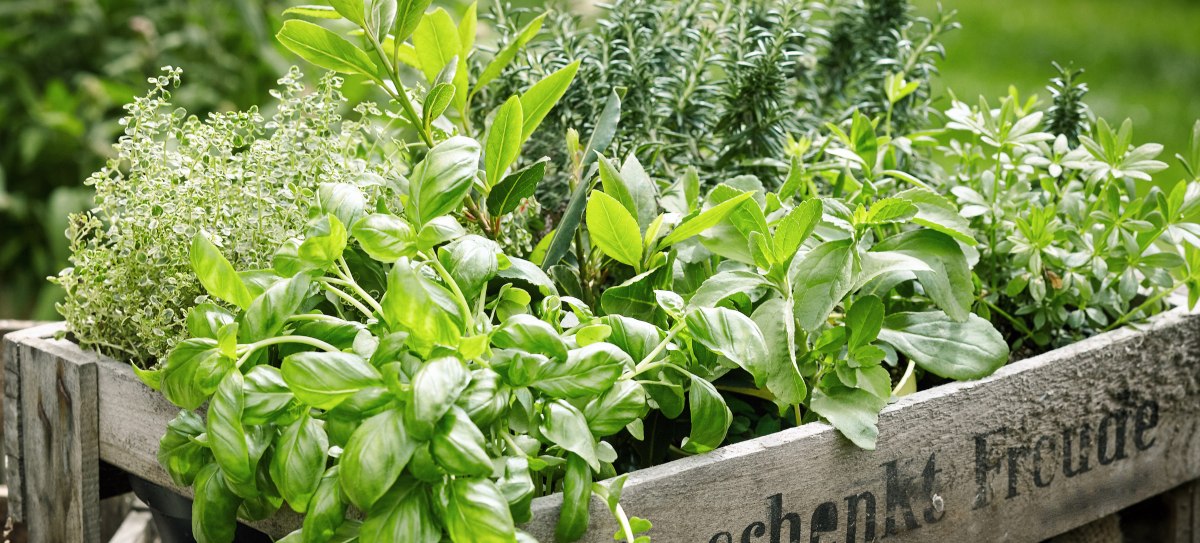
(173, 514)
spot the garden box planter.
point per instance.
(1043, 446)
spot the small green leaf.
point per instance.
(508, 193)
(936, 212)
(854, 412)
(541, 97)
(710, 417)
(472, 261)
(386, 238)
(374, 457)
(324, 240)
(796, 227)
(863, 321)
(436, 102)
(889, 210)
(179, 453)
(705, 220)
(528, 333)
(325, 49)
(408, 15)
(323, 380)
(194, 369)
(217, 274)
(504, 141)
(613, 229)
(618, 406)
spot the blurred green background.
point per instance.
(67, 66)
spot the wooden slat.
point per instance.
(1183, 513)
(59, 445)
(974, 461)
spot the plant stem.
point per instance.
(458, 295)
(325, 283)
(1020, 326)
(1150, 301)
(658, 349)
(305, 340)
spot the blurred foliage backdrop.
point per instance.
(67, 66)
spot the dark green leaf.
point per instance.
(193, 371)
(587, 371)
(863, 321)
(732, 335)
(820, 279)
(326, 510)
(710, 417)
(635, 297)
(474, 510)
(577, 492)
(179, 453)
(508, 194)
(458, 446)
(403, 514)
(615, 408)
(214, 507)
(502, 147)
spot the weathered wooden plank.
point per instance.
(1045, 445)
(60, 446)
(1183, 513)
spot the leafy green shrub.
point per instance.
(245, 179)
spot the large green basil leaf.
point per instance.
(473, 510)
(778, 326)
(853, 411)
(517, 486)
(299, 460)
(342, 200)
(510, 191)
(710, 417)
(613, 229)
(326, 510)
(214, 507)
(178, 451)
(194, 369)
(374, 457)
(637, 338)
(530, 334)
(324, 241)
(204, 320)
(635, 297)
(501, 149)
(577, 493)
(458, 446)
(618, 406)
(216, 273)
(541, 97)
(524, 270)
(437, 231)
(726, 284)
(566, 427)
(403, 514)
(948, 282)
(587, 371)
(886, 264)
(235, 449)
(422, 307)
(440, 181)
(732, 335)
(954, 350)
(323, 380)
(484, 400)
(820, 279)
(472, 261)
(436, 386)
(386, 238)
(268, 313)
(266, 393)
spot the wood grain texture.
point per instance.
(1183, 513)
(58, 443)
(975, 461)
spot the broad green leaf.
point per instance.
(890, 210)
(615, 186)
(564, 234)
(726, 284)
(732, 335)
(948, 280)
(385, 237)
(266, 393)
(352, 10)
(885, 264)
(205, 319)
(437, 231)
(440, 181)
(178, 452)
(436, 386)
(458, 446)
(566, 427)
(299, 461)
(217, 274)
(403, 514)
(230, 443)
(436, 41)
(194, 369)
(422, 307)
(509, 192)
(635, 297)
(541, 97)
(710, 417)
(637, 338)
(642, 189)
(374, 457)
(474, 510)
(587, 371)
(503, 142)
(342, 200)
(705, 220)
(517, 486)
(524, 270)
(466, 41)
(528, 333)
(618, 406)
(326, 510)
(936, 212)
(472, 261)
(326, 49)
(324, 240)
(613, 229)
(795, 228)
(577, 492)
(408, 15)
(820, 279)
(854, 412)
(506, 55)
(863, 321)
(323, 380)
(954, 350)
(775, 321)
(214, 507)
(267, 314)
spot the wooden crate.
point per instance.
(1041, 447)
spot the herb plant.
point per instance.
(245, 179)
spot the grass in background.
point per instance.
(1142, 58)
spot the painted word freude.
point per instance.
(1005, 465)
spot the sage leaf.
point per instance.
(943, 347)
